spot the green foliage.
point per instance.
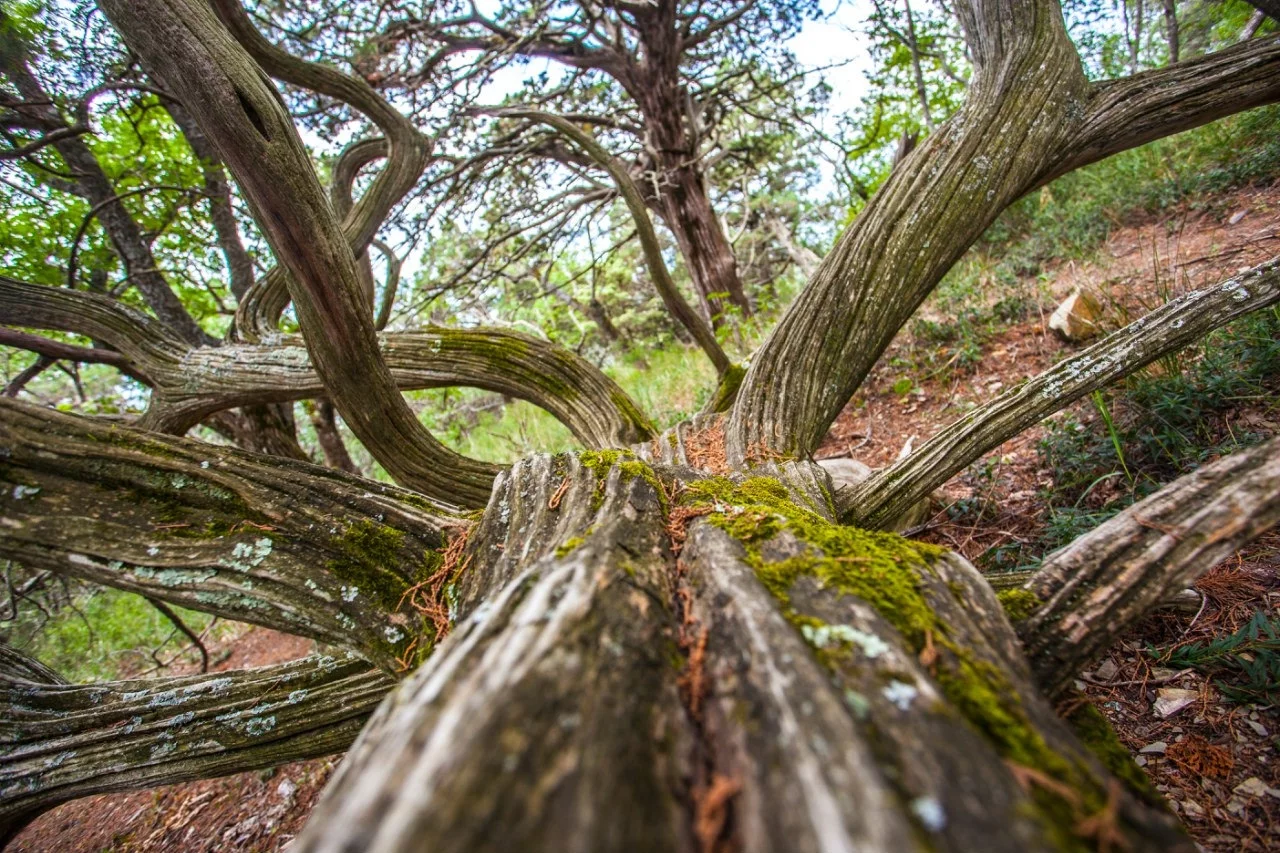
(101, 634)
(1246, 664)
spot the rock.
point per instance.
(1192, 808)
(1078, 317)
(845, 473)
(1106, 671)
(1171, 700)
(1157, 748)
(1255, 787)
(1237, 216)
(1258, 727)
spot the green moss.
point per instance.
(885, 571)
(1096, 732)
(641, 427)
(600, 462)
(1018, 603)
(570, 545)
(727, 389)
(367, 551)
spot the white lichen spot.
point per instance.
(825, 636)
(204, 464)
(929, 812)
(20, 492)
(245, 556)
(59, 759)
(393, 634)
(152, 551)
(349, 593)
(260, 725)
(296, 696)
(182, 719)
(162, 749)
(900, 693)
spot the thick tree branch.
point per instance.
(1154, 104)
(886, 495)
(58, 350)
(1030, 115)
(658, 273)
(405, 148)
(289, 545)
(1026, 87)
(245, 118)
(62, 741)
(1101, 584)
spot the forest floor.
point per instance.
(1216, 760)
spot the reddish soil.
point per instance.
(1213, 748)
(1220, 767)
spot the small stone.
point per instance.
(1156, 748)
(1171, 700)
(1236, 806)
(1106, 671)
(1258, 727)
(1237, 216)
(1192, 808)
(1255, 787)
(1140, 760)
(1077, 318)
(286, 789)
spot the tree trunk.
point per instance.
(639, 665)
(687, 211)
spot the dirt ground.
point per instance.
(1216, 761)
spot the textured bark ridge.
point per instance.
(783, 683)
(1087, 594)
(291, 546)
(61, 741)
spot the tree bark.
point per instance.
(287, 545)
(603, 695)
(62, 741)
(1101, 584)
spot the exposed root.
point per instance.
(428, 598)
(711, 812)
(1104, 827)
(554, 503)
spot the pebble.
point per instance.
(1106, 671)
(1171, 700)
(1156, 748)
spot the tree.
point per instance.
(650, 79)
(673, 646)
